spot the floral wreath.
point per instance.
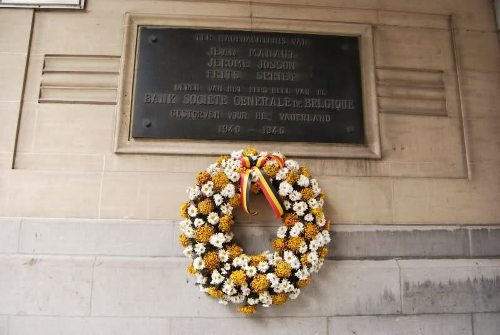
(221, 267)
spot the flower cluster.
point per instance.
(221, 267)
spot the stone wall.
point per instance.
(88, 239)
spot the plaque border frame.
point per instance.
(125, 144)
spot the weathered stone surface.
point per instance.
(26, 325)
(102, 237)
(438, 324)
(486, 324)
(450, 286)
(244, 326)
(41, 285)
(148, 287)
(485, 241)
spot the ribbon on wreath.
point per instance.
(250, 165)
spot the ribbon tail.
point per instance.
(245, 184)
(270, 193)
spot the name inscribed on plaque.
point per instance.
(205, 84)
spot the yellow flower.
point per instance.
(238, 277)
(271, 170)
(235, 201)
(225, 223)
(183, 240)
(279, 244)
(255, 188)
(290, 219)
(234, 251)
(328, 224)
(259, 283)
(205, 206)
(305, 171)
(303, 259)
(250, 151)
(317, 212)
(220, 180)
(292, 177)
(323, 252)
(211, 260)
(202, 177)
(247, 309)
(310, 231)
(255, 260)
(202, 234)
(279, 299)
(191, 269)
(283, 270)
(304, 282)
(184, 210)
(307, 193)
(214, 292)
(294, 243)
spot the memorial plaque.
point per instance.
(206, 84)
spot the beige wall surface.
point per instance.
(59, 95)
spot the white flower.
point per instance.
(213, 218)
(218, 199)
(188, 251)
(313, 258)
(189, 232)
(229, 236)
(234, 176)
(237, 299)
(320, 220)
(281, 174)
(326, 236)
(192, 211)
(223, 255)
(198, 222)
(193, 192)
(297, 229)
(303, 181)
(295, 196)
(302, 274)
(281, 232)
(313, 203)
(287, 204)
(263, 266)
(217, 278)
(237, 154)
(227, 266)
(294, 294)
(184, 224)
(265, 298)
(300, 208)
(208, 188)
(295, 264)
(226, 209)
(292, 165)
(217, 240)
(316, 191)
(245, 290)
(200, 279)
(198, 263)
(285, 189)
(199, 248)
(228, 287)
(228, 191)
(250, 271)
(212, 168)
(303, 248)
(314, 245)
(252, 301)
(309, 217)
(222, 302)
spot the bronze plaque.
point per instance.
(206, 84)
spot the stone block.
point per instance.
(18, 23)
(48, 194)
(485, 241)
(152, 287)
(8, 126)
(479, 51)
(246, 326)
(9, 234)
(450, 286)
(12, 67)
(482, 133)
(437, 324)
(486, 323)
(372, 242)
(480, 94)
(102, 237)
(24, 325)
(60, 162)
(43, 285)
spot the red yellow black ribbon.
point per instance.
(263, 181)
